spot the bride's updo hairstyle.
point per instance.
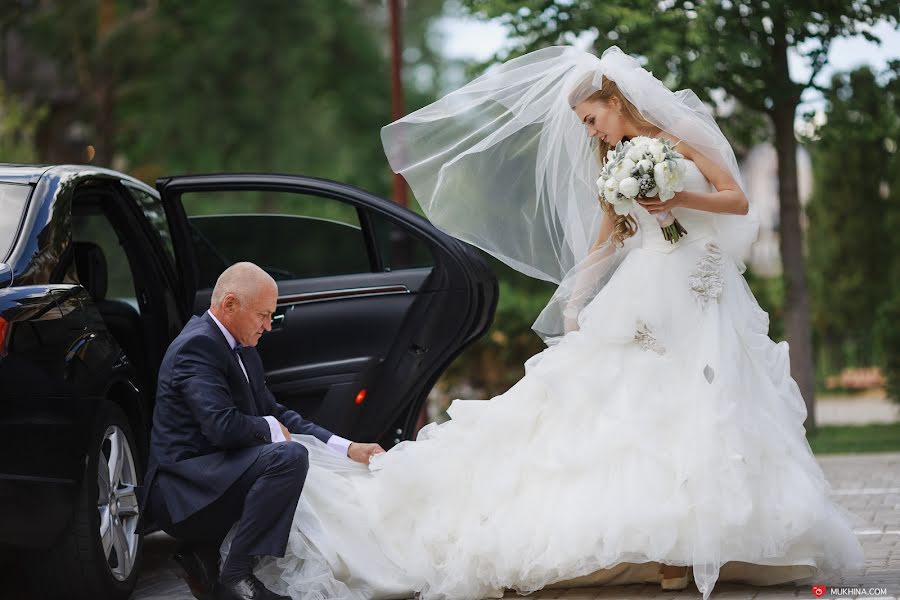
(624, 226)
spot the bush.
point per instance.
(888, 340)
(495, 362)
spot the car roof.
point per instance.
(17, 173)
(11, 173)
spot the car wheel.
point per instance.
(99, 555)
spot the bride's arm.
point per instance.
(722, 201)
(583, 280)
(606, 228)
(728, 197)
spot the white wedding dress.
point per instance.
(666, 429)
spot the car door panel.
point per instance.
(357, 352)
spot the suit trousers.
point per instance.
(262, 501)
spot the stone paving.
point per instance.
(868, 485)
(871, 407)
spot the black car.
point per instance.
(100, 272)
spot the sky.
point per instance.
(466, 37)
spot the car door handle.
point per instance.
(278, 318)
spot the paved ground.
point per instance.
(872, 407)
(866, 484)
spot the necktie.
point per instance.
(238, 352)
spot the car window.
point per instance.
(399, 248)
(96, 228)
(291, 236)
(12, 203)
(153, 210)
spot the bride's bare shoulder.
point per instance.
(718, 176)
(682, 147)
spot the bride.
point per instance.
(659, 437)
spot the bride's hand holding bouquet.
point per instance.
(641, 168)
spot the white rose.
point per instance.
(668, 177)
(645, 165)
(622, 207)
(610, 187)
(629, 187)
(610, 190)
(635, 152)
(628, 166)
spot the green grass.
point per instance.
(832, 439)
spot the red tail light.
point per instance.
(360, 397)
(3, 326)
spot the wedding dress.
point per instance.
(666, 429)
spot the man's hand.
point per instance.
(361, 453)
(285, 432)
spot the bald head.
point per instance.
(244, 280)
(244, 301)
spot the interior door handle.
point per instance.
(280, 314)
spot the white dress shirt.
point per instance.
(335, 442)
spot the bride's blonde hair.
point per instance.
(624, 226)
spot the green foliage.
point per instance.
(769, 293)
(18, 126)
(495, 361)
(888, 337)
(848, 242)
(186, 87)
(262, 86)
(831, 439)
(854, 255)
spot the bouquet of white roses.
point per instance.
(644, 167)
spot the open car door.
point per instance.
(374, 301)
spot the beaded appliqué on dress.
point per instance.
(706, 280)
(644, 338)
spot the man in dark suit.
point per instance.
(220, 446)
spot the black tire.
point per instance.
(76, 566)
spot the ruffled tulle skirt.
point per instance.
(667, 429)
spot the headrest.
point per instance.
(90, 266)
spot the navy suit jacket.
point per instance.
(208, 423)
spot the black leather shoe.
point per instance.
(247, 588)
(199, 567)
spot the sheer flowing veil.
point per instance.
(503, 163)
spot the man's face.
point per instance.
(249, 320)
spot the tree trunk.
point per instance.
(104, 126)
(103, 84)
(790, 236)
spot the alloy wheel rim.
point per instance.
(117, 502)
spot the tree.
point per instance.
(739, 47)
(851, 246)
(18, 126)
(77, 71)
(164, 87)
